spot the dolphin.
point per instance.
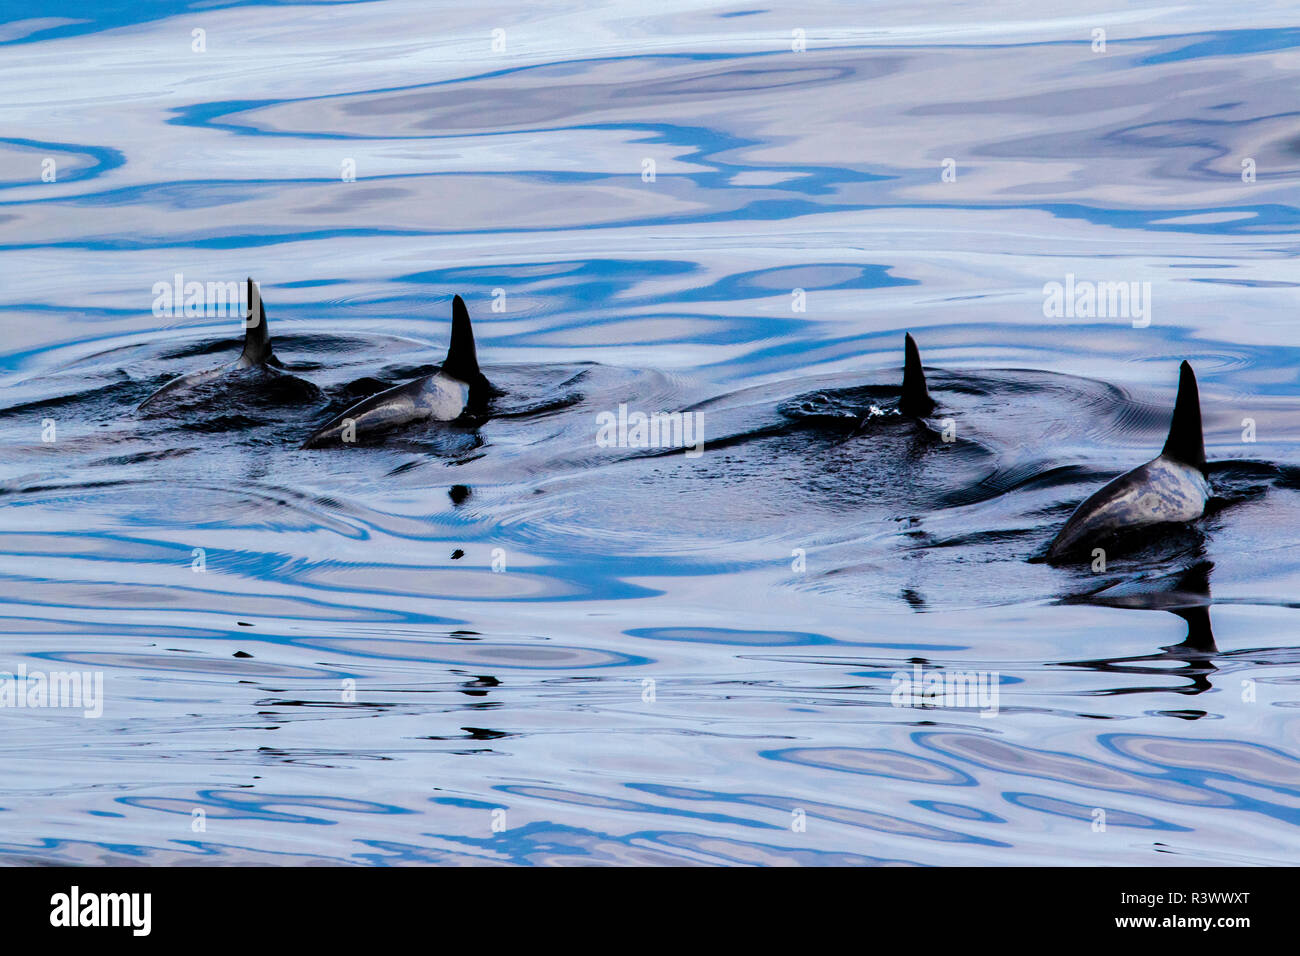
(1172, 487)
(915, 401)
(257, 352)
(458, 386)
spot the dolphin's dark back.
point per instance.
(916, 398)
(257, 341)
(1186, 442)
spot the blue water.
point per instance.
(508, 644)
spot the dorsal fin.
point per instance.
(916, 400)
(462, 358)
(257, 340)
(1186, 443)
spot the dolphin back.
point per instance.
(1170, 488)
(1162, 491)
(257, 351)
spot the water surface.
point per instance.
(502, 643)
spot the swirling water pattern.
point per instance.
(508, 644)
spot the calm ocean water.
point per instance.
(511, 644)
